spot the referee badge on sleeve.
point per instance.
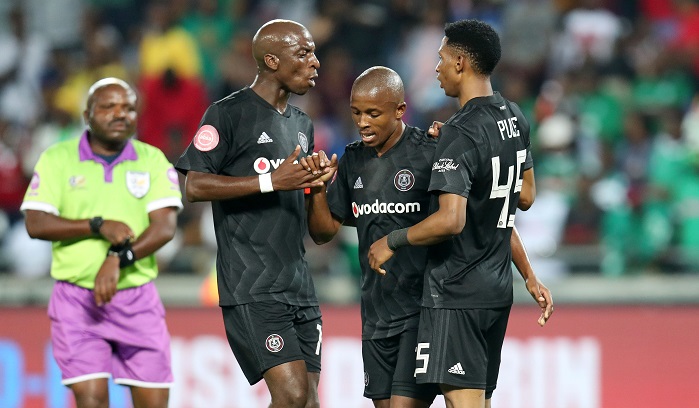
(138, 183)
(34, 184)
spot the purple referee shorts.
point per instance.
(126, 339)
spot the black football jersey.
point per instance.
(482, 152)
(260, 237)
(379, 195)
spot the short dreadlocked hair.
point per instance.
(477, 41)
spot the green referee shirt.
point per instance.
(72, 182)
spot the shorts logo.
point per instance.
(456, 369)
(303, 141)
(274, 343)
(404, 180)
(366, 379)
(138, 183)
(206, 138)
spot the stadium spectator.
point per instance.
(173, 93)
(23, 55)
(211, 30)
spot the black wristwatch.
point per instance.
(96, 224)
(124, 252)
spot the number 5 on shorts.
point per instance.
(420, 356)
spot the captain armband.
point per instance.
(397, 239)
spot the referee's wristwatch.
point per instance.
(96, 224)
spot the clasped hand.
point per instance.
(307, 172)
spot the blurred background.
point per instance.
(609, 88)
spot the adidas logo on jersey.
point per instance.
(264, 138)
(358, 183)
(456, 369)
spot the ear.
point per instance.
(87, 115)
(400, 110)
(272, 61)
(460, 63)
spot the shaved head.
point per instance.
(286, 61)
(382, 81)
(377, 103)
(273, 37)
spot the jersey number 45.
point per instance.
(498, 190)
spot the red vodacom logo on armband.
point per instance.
(206, 138)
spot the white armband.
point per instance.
(266, 183)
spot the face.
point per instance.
(446, 70)
(376, 116)
(112, 116)
(298, 64)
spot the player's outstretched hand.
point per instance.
(116, 232)
(379, 253)
(542, 296)
(293, 176)
(106, 281)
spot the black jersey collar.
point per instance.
(374, 153)
(263, 102)
(495, 98)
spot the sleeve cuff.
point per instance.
(39, 206)
(164, 203)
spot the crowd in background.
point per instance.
(609, 87)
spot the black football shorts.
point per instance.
(266, 334)
(389, 368)
(461, 347)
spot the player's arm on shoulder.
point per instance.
(434, 128)
(528, 193)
